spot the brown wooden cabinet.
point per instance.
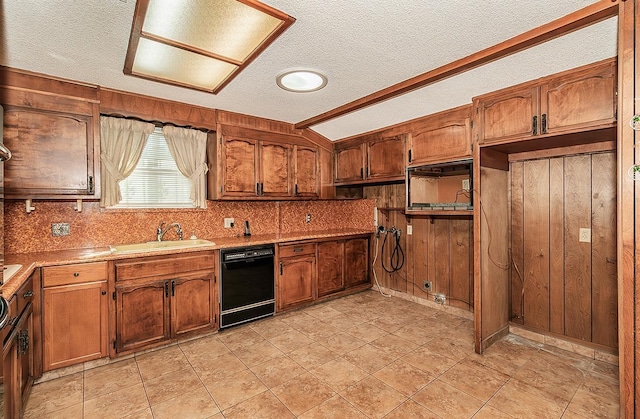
(330, 267)
(75, 314)
(369, 159)
(441, 137)
(162, 298)
(262, 165)
(573, 101)
(296, 281)
(356, 256)
(54, 138)
(21, 347)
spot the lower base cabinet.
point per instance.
(356, 256)
(330, 267)
(75, 314)
(296, 281)
(158, 299)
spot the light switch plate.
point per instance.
(228, 222)
(409, 229)
(466, 185)
(585, 235)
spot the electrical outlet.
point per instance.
(428, 285)
(466, 185)
(307, 218)
(60, 229)
(585, 235)
(229, 222)
(409, 229)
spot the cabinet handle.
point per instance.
(257, 189)
(409, 156)
(103, 293)
(90, 188)
(27, 294)
(76, 274)
(297, 249)
(173, 288)
(367, 171)
(261, 188)
(535, 125)
(23, 341)
(544, 123)
(280, 268)
(361, 173)
(295, 192)
(166, 288)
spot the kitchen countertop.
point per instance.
(31, 261)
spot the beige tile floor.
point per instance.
(355, 357)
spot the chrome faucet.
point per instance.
(160, 232)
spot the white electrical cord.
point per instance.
(373, 268)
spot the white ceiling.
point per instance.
(361, 45)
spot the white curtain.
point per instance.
(188, 147)
(121, 144)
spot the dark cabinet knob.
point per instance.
(76, 274)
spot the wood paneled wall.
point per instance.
(560, 284)
(439, 250)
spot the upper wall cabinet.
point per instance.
(264, 165)
(369, 159)
(441, 137)
(53, 136)
(573, 101)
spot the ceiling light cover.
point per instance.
(200, 44)
(302, 80)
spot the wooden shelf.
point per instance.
(468, 213)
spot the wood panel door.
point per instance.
(240, 175)
(508, 115)
(142, 315)
(330, 267)
(306, 171)
(275, 169)
(52, 154)
(74, 324)
(349, 164)
(580, 99)
(192, 302)
(385, 158)
(297, 281)
(356, 261)
(442, 137)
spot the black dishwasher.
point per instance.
(246, 284)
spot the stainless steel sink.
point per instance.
(158, 246)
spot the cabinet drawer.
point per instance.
(25, 294)
(297, 249)
(165, 266)
(74, 274)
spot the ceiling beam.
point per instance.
(579, 19)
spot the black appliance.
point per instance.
(247, 287)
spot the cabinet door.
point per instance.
(74, 324)
(349, 164)
(330, 267)
(385, 158)
(579, 100)
(239, 160)
(296, 281)
(142, 315)
(508, 115)
(275, 169)
(52, 154)
(442, 137)
(192, 302)
(11, 369)
(25, 352)
(306, 173)
(356, 256)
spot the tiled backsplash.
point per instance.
(96, 227)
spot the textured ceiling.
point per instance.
(362, 45)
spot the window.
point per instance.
(156, 181)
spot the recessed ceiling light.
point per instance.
(301, 80)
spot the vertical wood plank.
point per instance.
(577, 192)
(460, 263)
(442, 244)
(418, 256)
(603, 251)
(536, 244)
(517, 242)
(556, 245)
